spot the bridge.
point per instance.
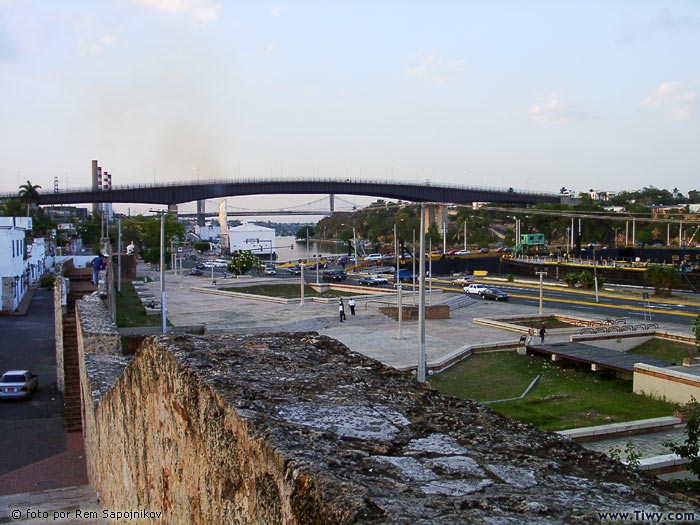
(258, 213)
(178, 192)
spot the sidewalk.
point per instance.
(66, 469)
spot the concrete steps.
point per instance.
(71, 368)
(60, 506)
(457, 301)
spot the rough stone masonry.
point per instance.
(295, 428)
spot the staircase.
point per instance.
(458, 301)
(80, 285)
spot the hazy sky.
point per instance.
(529, 94)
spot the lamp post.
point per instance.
(541, 274)
(162, 269)
(430, 272)
(465, 236)
(119, 256)
(316, 257)
(413, 276)
(399, 306)
(421, 298)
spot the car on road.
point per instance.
(296, 269)
(463, 281)
(373, 280)
(494, 294)
(195, 271)
(462, 252)
(18, 384)
(334, 275)
(474, 288)
(270, 270)
(388, 257)
(484, 250)
(374, 257)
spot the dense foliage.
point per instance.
(244, 262)
(663, 278)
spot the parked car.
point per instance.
(296, 269)
(494, 294)
(334, 275)
(270, 270)
(462, 281)
(374, 257)
(474, 288)
(18, 384)
(484, 250)
(388, 257)
(196, 271)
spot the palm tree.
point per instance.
(28, 194)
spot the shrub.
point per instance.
(663, 278)
(47, 281)
(691, 448)
(571, 279)
(201, 246)
(510, 278)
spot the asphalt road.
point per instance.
(32, 429)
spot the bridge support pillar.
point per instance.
(331, 201)
(172, 209)
(435, 214)
(201, 209)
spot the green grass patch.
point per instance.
(130, 311)
(672, 351)
(286, 291)
(549, 322)
(568, 395)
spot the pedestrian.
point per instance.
(341, 310)
(543, 332)
(530, 336)
(351, 304)
(98, 263)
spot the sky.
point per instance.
(533, 95)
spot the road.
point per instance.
(32, 429)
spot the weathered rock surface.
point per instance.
(295, 428)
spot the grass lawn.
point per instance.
(549, 322)
(286, 291)
(568, 395)
(664, 349)
(130, 311)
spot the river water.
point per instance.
(288, 249)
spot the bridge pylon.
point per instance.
(201, 210)
(331, 201)
(172, 210)
(435, 214)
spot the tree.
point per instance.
(304, 231)
(691, 448)
(12, 208)
(245, 261)
(28, 194)
(201, 246)
(663, 278)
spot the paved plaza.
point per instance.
(369, 332)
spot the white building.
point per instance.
(257, 239)
(13, 276)
(208, 233)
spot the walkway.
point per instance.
(601, 357)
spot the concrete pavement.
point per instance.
(369, 332)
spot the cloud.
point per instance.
(276, 11)
(108, 40)
(268, 49)
(550, 110)
(95, 48)
(433, 67)
(675, 99)
(200, 11)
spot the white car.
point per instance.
(463, 252)
(463, 281)
(17, 384)
(475, 288)
(374, 257)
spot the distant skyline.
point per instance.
(534, 95)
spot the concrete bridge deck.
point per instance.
(597, 357)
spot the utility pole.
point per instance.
(430, 272)
(163, 309)
(541, 274)
(465, 236)
(316, 257)
(399, 306)
(668, 234)
(413, 277)
(119, 256)
(595, 274)
(421, 298)
(301, 303)
(634, 231)
(567, 241)
(627, 231)
(444, 237)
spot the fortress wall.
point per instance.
(295, 428)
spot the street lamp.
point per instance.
(162, 268)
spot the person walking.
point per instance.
(530, 336)
(341, 310)
(98, 263)
(351, 304)
(543, 332)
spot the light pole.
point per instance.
(301, 263)
(430, 272)
(444, 237)
(398, 286)
(162, 269)
(465, 236)
(541, 274)
(421, 298)
(413, 276)
(595, 274)
(119, 256)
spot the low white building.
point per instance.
(208, 233)
(15, 280)
(249, 236)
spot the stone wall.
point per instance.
(295, 428)
(97, 332)
(61, 288)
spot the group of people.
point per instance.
(341, 308)
(531, 335)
